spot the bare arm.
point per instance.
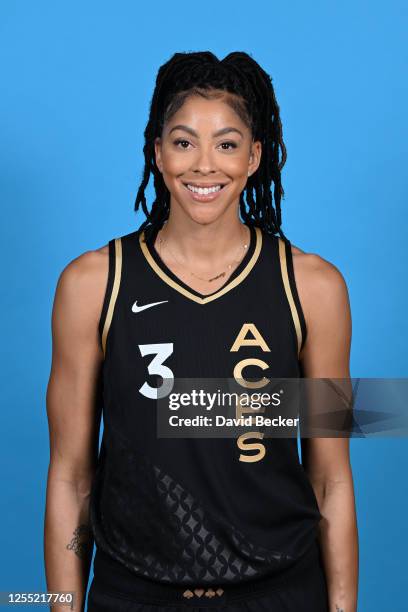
(326, 354)
(73, 409)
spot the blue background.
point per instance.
(76, 81)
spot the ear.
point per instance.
(157, 153)
(254, 157)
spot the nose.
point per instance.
(204, 161)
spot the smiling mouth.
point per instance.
(211, 189)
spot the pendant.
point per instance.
(215, 277)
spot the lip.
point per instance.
(209, 197)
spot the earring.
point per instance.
(249, 174)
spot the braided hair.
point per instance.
(250, 92)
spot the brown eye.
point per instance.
(227, 146)
(184, 143)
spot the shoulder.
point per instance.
(322, 289)
(315, 276)
(324, 300)
(81, 285)
(86, 272)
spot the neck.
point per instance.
(205, 245)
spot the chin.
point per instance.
(205, 213)
(203, 217)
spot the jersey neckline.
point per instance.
(240, 273)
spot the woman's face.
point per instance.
(205, 154)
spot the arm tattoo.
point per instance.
(339, 609)
(81, 542)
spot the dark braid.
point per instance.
(254, 100)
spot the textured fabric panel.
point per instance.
(160, 530)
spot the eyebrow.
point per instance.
(221, 132)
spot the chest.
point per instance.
(156, 331)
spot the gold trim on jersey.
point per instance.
(209, 298)
(289, 295)
(115, 291)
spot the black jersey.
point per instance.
(193, 511)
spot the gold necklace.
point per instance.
(209, 280)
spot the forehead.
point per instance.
(203, 113)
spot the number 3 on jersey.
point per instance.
(161, 352)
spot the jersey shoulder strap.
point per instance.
(288, 277)
(112, 289)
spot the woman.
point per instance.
(199, 293)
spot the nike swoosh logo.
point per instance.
(136, 308)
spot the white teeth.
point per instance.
(204, 190)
